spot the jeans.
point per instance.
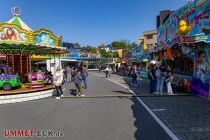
(134, 80)
(169, 88)
(160, 84)
(153, 86)
(85, 81)
(78, 89)
(59, 90)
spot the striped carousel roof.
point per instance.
(18, 21)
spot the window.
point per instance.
(149, 36)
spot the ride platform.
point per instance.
(25, 93)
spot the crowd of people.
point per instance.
(75, 75)
(158, 75)
(125, 71)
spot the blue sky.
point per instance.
(91, 22)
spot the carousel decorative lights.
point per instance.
(18, 42)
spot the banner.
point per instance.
(188, 39)
(120, 52)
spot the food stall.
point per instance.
(184, 45)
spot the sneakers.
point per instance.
(77, 95)
(58, 98)
(62, 95)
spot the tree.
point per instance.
(93, 50)
(115, 54)
(119, 45)
(104, 53)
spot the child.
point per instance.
(168, 82)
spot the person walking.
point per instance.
(107, 72)
(162, 78)
(152, 78)
(64, 76)
(134, 76)
(77, 82)
(73, 74)
(158, 77)
(85, 75)
(169, 79)
(139, 79)
(68, 73)
(58, 81)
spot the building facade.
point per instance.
(149, 38)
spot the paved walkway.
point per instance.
(187, 116)
(115, 118)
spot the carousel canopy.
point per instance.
(18, 21)
(16, 37)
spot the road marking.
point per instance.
(158, 109)
(167, 130)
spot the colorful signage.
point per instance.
(16, 34)
(13, 33)
(46, 38)
(188, 39)
(195, 15)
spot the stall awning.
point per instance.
(62, 60)
(8, 47)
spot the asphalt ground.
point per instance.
(186, 116)
(113, 118)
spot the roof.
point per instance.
(150, 32)
(18, 21)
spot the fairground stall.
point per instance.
(18, 42)
(88, 58)
(141, 59)
(184, 44)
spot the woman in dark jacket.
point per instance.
(152, 78)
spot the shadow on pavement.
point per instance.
(144, 90)
(73, 92)
(145, 124)
(122, 92)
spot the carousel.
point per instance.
(18, 43)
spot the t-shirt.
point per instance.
(84, 72)
(78, 78)
(163, 71)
